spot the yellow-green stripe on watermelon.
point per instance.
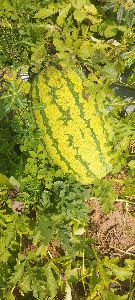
(75, 131)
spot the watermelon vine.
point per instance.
(67, 150)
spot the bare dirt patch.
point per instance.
(114, 233)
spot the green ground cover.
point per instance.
(45, 249)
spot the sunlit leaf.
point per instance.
(46, 12)
(91, 9)
(79, 15)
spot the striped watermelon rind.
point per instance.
(75, 132)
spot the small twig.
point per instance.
(125, 252)
(50, 254)
(130, 248)
(83, 264)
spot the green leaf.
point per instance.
(59, 45)
(51, 283)
(79, 15)
(11, 234)
(45, 229)
(4, 254)
(72, 275)
(94, 28)
(39, 53)
(108, 295)
(84, 29)
(10, 296)
(17, 276)
(75, 33)
(78, 4)
(85, 50)
(121, 273)
(110, 31)
(44, 13)
(105, 193)
(131, 80)
(7, 5)
(110, 71)
(25, 285)
(15, 184)
(63, 13)
(131, 164)
(91, 9)
(5, 181)
(130, 263)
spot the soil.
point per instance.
(114, 233)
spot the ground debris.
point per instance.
(114, 233)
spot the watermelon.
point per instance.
(75, 131)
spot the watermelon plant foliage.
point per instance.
(45, 252)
